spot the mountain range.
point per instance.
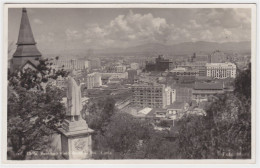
(154, 49)
(182, 48)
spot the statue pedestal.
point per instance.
(76, 140)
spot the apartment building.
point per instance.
(153, 95)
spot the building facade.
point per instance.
(71, 64)
(221, 70)
(116, 69)
(132, 75)
(115, 75)
(181, 71)
(134, 66)
(152, 95)
(93, 80)
(160, 64)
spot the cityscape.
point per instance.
(158, 91)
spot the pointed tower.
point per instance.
(26, 45)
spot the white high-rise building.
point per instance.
(93, 80)
(170, 95)
(221, 70)
(134, 66)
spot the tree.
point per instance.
(34, 112)
(34, 79)
(123, 135)
(99, 112)
(225, 132)
(192, 137)
(243, 83)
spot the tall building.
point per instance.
(93, 80)
(152, 95)
(26, 51)
(170, 95)
(160, 64)
(132, 75)
(134, 66)
(221, 70)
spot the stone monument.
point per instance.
(75, 134)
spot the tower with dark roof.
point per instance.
(26, 46)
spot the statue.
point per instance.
(75, 134)
(74, 103)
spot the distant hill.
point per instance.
(153, 49)
(183, 48)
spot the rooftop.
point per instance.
(145, 110)
(26, 43)
(176, 105)
(220, 64)
(154, 110)
(208, 86)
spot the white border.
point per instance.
(213, 161)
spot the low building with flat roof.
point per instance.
(203, 91)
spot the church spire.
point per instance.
(25, 33)
(26, 45)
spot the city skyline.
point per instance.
(99, 28)
(131, 83)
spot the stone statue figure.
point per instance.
(74, 103)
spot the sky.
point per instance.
(96, 28)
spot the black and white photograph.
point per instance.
(146, 82)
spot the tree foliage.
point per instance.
(99, 112)
(226, 130)
(34, 109)
(34, 78)
(123, 135)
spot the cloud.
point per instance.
(37, 21)
(206, 35)
(132, 29)
(225, 35)
(224, 17)
(218, 25)
(46, 39)
(192, 24)
(72, 34)
(139, 28)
